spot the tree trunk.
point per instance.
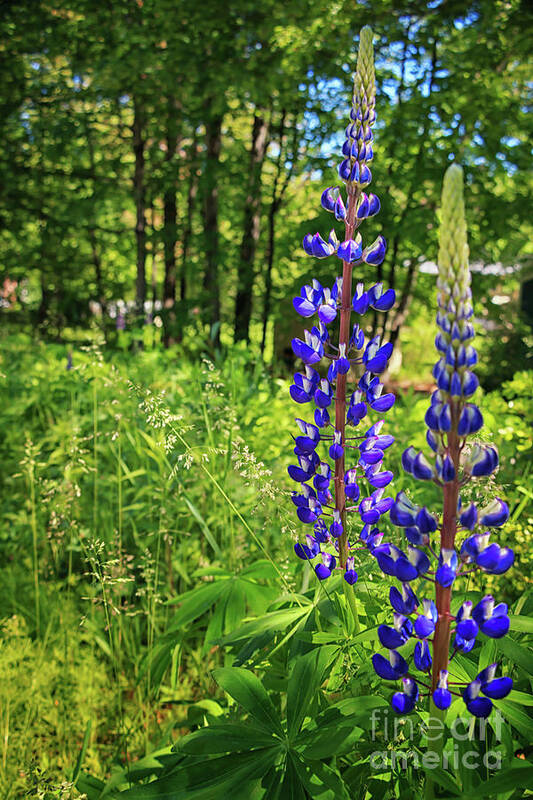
(170, 209)
(213, 135)
(250, 236)
(187, 230)
(140, 201)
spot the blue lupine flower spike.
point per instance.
(322, 448)
(451, 418)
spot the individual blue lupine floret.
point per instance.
(336, 449)
(310, 298)
(326, 566)
(495, 514)
(305, 470)
(422, 656)
(404, 602)
(336, 527)
(311, 349)
(492, 619)
(404, 702)
(351, 487)
(468, 517)
(447, 569)
(466, 628)
(376, 356)
(323, 394)
(478, 706)
(351, 250)
(307, 551)
(442, 697)
(350, 575)
(482, 461)
(380, 300)
(315, 245)
(310, 436)
(495, 688)
(304, 385)
(395, 637)
(360, 300)
(375, 253)
(390, 670)
(426, 619)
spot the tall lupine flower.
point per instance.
(459, 542)
(332, 457)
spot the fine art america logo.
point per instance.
(462, 729)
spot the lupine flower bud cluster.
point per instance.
(432, 550)
(328, 488)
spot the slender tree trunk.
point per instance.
(213, 134)
(250, 236)
(139, 191)
(187, 230)
(170, 209)
(95, 251)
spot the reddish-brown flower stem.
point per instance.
(441, 644)
(340, 389)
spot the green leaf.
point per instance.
(522, 624)
(326, 741)
(320, 781)
(516, 653)
(249, 692)
(209, 779)
(517, 777)
(202, 523)
(518, 718)
(272, 622)
(194, 604)
(81, 755)
(226, 737)
(304, 682)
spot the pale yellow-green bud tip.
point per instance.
(453, 249)
(365, 80)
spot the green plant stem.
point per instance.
(35, 553)
(352, 602)
(437, 746)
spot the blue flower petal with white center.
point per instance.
(375, 253)
(447, 569)
(350, 575)
(360, 301)
(404, 702)
(467, 628)
(427, 619)
(310, 350)
(492, 619)
(329, 198)
(309, 550)
(324, 568)
(393, 668)
(468, 517)
(495, 514)
(380, 300)
(403, 602)
(351, 250)
(478, 706)
(321, 416)
(323, 394)
(498, 688)
(442, 696)
(422, 656)
(421, 468)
